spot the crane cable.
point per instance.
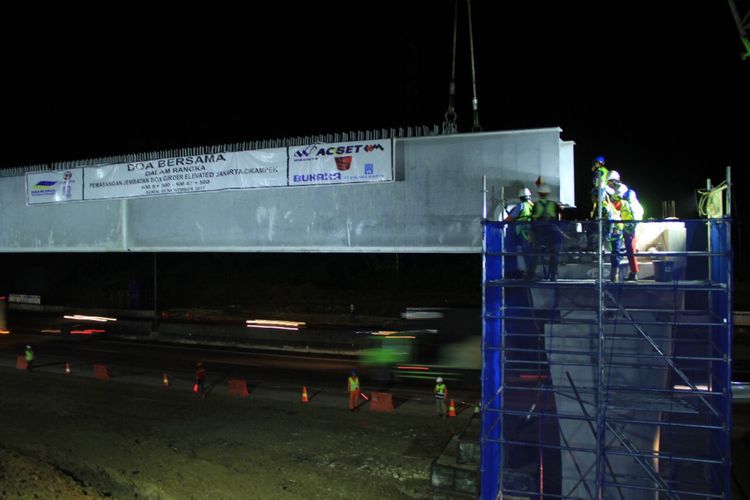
(476, 127)
(710, 203)
(449, 124)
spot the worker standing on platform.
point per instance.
(611, 212)
(29, 357)
(626, 202)
(547, 235)
(520, 237)
(200, 379)
(599, 180)
(353, 390)
(441, 393)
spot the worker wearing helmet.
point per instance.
(522, 211)
(601, 173)
(520, 238)
(547, 235)
(29, 357)
(441, 393)
(625, 201)
(599, 170)
(612, 207)
(352, 387)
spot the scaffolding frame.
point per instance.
(599, 389)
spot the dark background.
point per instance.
(657, 87)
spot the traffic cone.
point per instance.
(451, 409)
(165, 380)
(67, 368)
(304, 395)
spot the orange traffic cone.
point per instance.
(451, 409)
(67, 368)
(165, 380)
(304, 395)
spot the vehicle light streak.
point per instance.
(419, 368)
(89, 331)
(83, 317)
(274, 324)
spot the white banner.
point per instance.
(187, 174)
(55, 186)
(344, 162)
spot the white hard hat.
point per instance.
(28, 347)
(614, 175)
(524, 192)
(439, 380)
(544, 189)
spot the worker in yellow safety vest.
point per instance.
(441, 393)
(353, 390)
(29, 357)
(626, 201)
(547, 234)
(520, 239)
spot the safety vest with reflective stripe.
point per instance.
(353, 383)
(440, 391)
(545, 210)
(527, 207)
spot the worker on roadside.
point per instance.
(352, 388)
(519, 239)
(626, 202)
(29, 357)
(547, 234)
(200, 379)
(441, 393)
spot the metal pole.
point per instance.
(728, 194)
(155, 325)
(601, 459)
(708, 234)
(484, 197)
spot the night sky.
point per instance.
(657, 87)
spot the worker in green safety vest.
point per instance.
(29, 357)
(519, 240)
(353, 388)
(441, 393)
(601, 173)
(547, 234)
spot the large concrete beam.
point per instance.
(434, 205)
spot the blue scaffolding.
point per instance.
(598, 387)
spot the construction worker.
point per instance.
(547, 235)
(520, 238)
(200, 379)
(611, 211)
(441, 393)
(599, 180)
(352, 388)
(625, 200)
(29, 357)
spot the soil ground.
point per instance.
(77, 437)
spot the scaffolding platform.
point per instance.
(595, 386)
